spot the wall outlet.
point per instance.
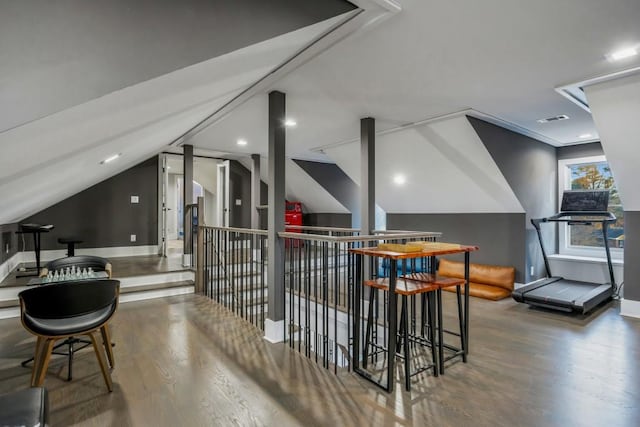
(135, 199)
(531, 270)
(133, 237)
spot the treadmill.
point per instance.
(579, 207)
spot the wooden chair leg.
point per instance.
(36, 360)
(43, 362)
(106, 340)
(99, 349)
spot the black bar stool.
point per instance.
(405, 288)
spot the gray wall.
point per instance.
(57, 54)
(103, 215)
(8, 241)
(240, 189)
(530, 167)
(581, 150)
(500, 236)
(327, 220)
(336, 182)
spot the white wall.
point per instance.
(447, 170)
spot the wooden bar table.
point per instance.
(429, 249)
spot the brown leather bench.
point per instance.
(491, 282)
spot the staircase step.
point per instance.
(9, 303)
(155, 290)
(155, 286)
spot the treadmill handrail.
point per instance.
(559, 217)
(568, 216)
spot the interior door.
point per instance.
(164, 183)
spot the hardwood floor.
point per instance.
(183, 361)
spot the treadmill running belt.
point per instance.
(567, 291)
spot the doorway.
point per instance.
(205, 184)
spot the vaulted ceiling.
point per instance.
(81, 80)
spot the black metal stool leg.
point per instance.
(401, 332)
(461, 321)
(440, 327)
(365, 350)
(423, 313)
(432, 331)
(405, 337)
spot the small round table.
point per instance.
(71, 244)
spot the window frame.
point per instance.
(564, 183)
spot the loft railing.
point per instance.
(319, 291)
(319, 281)
(232, 270)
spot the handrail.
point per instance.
(238, 230)
(397, 234)
(316, 228)
(364, 238)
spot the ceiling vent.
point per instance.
(554, 119)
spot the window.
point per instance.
(591, 173)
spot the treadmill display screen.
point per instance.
(585, 200)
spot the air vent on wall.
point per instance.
(554, 119)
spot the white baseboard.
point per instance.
(274, 331)
(186, 260)
(630, 308)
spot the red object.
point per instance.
(293, 216)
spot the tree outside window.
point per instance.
(596, 176)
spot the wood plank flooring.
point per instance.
(184, 361)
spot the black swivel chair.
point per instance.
(74, 344)
(68, 309)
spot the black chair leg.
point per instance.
(70, 371)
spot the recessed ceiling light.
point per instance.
(110, 158)
(554, 119)
(242, 142)
(623, 53)
(585, 136)
(399, 179)
(290, 123)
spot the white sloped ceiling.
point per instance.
(300, 187)
(615, 106)
(47, 160)
(446, 167)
